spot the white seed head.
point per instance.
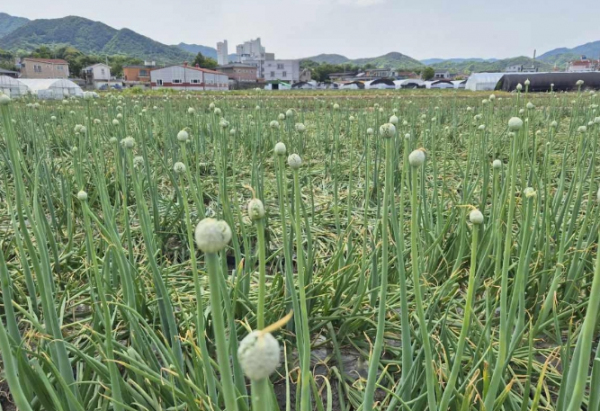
(407, 136)
(87, 95)
(183, 136)
(138, 161)
(257, 108)
(597, 120)
(497, 164)
(274, 124)
(115, 122)
(281, 117)
(128, 142)
(191, 110)
(113, 140)
(515, 124)
(352, 119)
(300, 128)
(280, 149)
(223, 123)
(179, 167)
(492, 97)
(4, 99)
(212, 235)
(481, 127)
(82, 195)
(259, 355)
(294, 161)
(476, 217)
(119, 116)
(579, 83)
(387, 130)
(336, 106)
(370, 131)
(554, 124)
(530, 106)
(78, 128)
(211, 106)
(217, 111)
(256, 209)
(529, 192)
(233, 131)
(289, 113)
(519, 87)
(527, 82)
(394, 119)
(582, 129)
(416, 158)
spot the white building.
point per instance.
(285, 70)
(582, 66)
(99, 76)
(251, 48)
(185, 77)
(483, 81)
(222, 53)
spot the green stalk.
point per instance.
(379, 338)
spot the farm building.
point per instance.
(439, 84)
(278, 85)
(185, 77)
(483, 81)
(52, 89)
(380, 83)
(409, 83)
(9, 73)
(542, 82)
(12, 87)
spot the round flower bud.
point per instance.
(554, 124)
(82, 195)
(274, 124)
(257, 108)
(484, 101)
(416, 158)
(281, 117)
(78, 128)
(289, 113)
(597, 120)
(138, 161)
(119, 116)
(224, 123)
(183, 136)
(294, 161)
(233, 131)
(530, 106)
(256, 209)
(191, 110)
(519, 87)
(211, 106)
(128, 142)
(217, 111)
(352, 119)
(407, 136)
(387, 130)
(529, 192)
(115, 122)
(515, 124)
(492, 97)
(476, 217)
(113, 140)
(280, 149)
(579, 83)
(582, 129)
(481, 127)
(259, 355)
(527, 82)
(370, 131)
(179, 167)
(212, 235)
(4, 99)
(336, 106)
(497, 164)
(394, 120)
(300, 128)
(522, 111)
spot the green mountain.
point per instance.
(390, 60)
(10, 23)
(197, 48)
(90, 37)
(561, 56)
(473, 66)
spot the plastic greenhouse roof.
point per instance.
(36, 85)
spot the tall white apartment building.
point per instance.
(222, 53)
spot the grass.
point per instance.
(400, 299)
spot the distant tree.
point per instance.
(427, 73)
(204, 62)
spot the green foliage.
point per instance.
(427, 73)
(204, 62)
(390, 60)
(473, 66)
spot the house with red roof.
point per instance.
(583, 65)
(185, 77)
(44, 68)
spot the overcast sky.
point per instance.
(354, 28)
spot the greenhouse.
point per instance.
(381, 83)
(439, 84)
(353, 85)
(12, 87)
(409, 83)
(543, 82)
(483, 81)
(52, 89)
(459, 83)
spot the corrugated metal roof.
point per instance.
(50, 61)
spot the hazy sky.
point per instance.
(354, 28)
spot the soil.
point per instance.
(6, 403)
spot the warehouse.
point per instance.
(184, 77)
